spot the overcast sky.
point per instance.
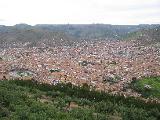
(79, 11)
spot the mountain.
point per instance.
(95, 31)
(23, 35)
(145, 36)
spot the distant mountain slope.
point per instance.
(145, 36)
(23, 35)
(95, 31)
(18, 35)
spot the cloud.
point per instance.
(80, 11)
(2, 20)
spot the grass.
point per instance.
(154, 86)
(29, 100)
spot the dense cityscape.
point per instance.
(109, 66)
(79, 59)
(85, 72)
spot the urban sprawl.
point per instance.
(109, 66)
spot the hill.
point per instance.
(28, 100)
(95, 31)
(23, 35)
(145, 36)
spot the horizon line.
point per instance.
(78, 24)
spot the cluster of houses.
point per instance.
(108, 66)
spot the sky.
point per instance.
(117, 12)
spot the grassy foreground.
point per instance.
(148, 87)
(28, 100)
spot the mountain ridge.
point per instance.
(24, 35)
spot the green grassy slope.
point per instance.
(149, 87)
(28, 100)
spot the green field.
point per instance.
(148, 87)
(28, 100)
